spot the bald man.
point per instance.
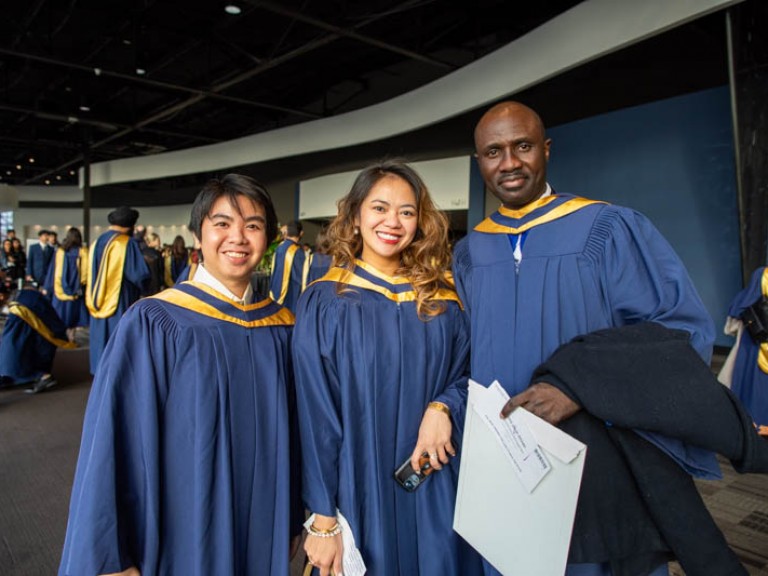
(547, 267)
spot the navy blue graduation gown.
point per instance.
(585, 266)
(25, 354)
(177, 265)
(318, 266)
(602, 266)
(750, 382)
(184, 466)
(294, 278)
(366, 368)
(72, 312)
(135, 272)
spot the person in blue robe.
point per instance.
(288, 266)
(175, 260)
(381, 354)
(545, 268)
(29, 340)
(749, 380)
(319, 261)
(318, 265)
(66, 280)
(189, 449)
(117, 272)
(189, 271)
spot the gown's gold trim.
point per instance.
(489, 226)
(38, 325)
(344, 276)
(58, 273)
(290, 254)
(282, 317)
(762, 355)
(102, 297)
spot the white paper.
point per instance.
(513, 434)
(498, 516)
(352, 561)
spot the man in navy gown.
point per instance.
(116, 280)
(288, 267)
(547, 267)
(189, 449)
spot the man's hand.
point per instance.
(545, 401)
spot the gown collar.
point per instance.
(202, 276)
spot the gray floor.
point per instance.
(40, 437)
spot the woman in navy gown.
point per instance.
(65, 282)
(380, 352)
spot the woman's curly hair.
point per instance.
(425, 261)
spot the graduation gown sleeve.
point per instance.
(319, 402)
(644, 279)
(114, 508)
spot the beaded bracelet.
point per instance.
(330, 533)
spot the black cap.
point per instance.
(123, 216)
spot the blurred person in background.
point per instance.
(288, 267)
(154, 259)
(319, 261)
(116, 276)
(66, 280)
(30, 337)
(39, 259)
(176, 260)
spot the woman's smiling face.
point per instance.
(388, 221)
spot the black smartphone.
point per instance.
(409, 478)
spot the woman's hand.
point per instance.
(132, 571)
(324, 553)
(434, 439)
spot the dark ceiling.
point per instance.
(70, 81)
(124, 78)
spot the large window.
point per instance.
(6, 223)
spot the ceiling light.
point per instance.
(47, 181)
(71, 172)
(233, 9)
(31, 160)
(140, 71)
(85, 108)
(18, 166)
(58, 177)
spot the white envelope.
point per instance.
(519, 533)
